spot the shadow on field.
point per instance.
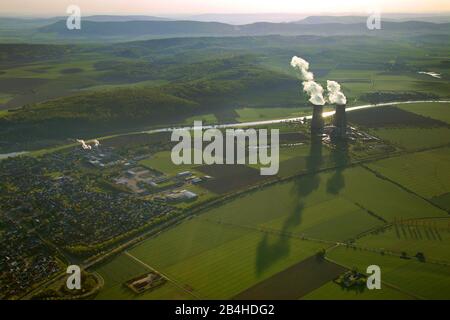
(339, 157)
(268, 253)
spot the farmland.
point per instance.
(411, 139)
(391, 116)
(124, 268)
(332, 291)
(212, 260)
(431, 281)
(295, 281)
(428, 236)
(257, 114)
(124, 210)
(224, 251)
(425, 173)
(162, 162)
(435, 111)
(403, 128)
(354, 190)
(227, 178)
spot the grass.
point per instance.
(358, 82)
(162, 162)
(4, 98)
(426, 173)
(442, 201)
(335, 220)
(228, 249)
(332, 291)
(147, 83)
(296, 159)
(122, 268)
(423, 280)
(213, 260)
(258, 114)
(219, 261)
(429, 236)
(205, 118)
(438, 111)
(305, 203)
(415, 138)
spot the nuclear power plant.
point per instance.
(340, 121)
(316, 97)
(317, 121)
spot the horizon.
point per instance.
(224, 14)
(48, 8)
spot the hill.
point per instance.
(91, 29)
(103, 18)
(108, 111)
(332, 19)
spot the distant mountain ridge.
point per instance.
(363, 19)
(111, 18)
(331, 19)
(195, 28)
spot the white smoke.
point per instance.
(315, 91)
(335, 95)
(312, 88)
(84, 145)
(96, 143)
(303, 66)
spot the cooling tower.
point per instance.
(340, 121)
(317, 120)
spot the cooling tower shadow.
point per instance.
(340, 158)
(268, 252)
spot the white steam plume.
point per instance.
(335, 94)
(84, 145)
(315, 91)
(312, 88)
(303, 66)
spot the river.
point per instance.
(258, 123)
(274, 121)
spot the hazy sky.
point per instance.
(149, 7)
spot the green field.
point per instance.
(438, 111)
(359, 82)
(123, 268)
(429, 236)
(422, 280)
(238, 244)
(258, 114)
(327, 195)
(213, 260)
(303, 158)
(205, 118)
(349, 189)
(332, 291)
(148, 83)
(425, 173)
(415, 138)
(162, 162)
